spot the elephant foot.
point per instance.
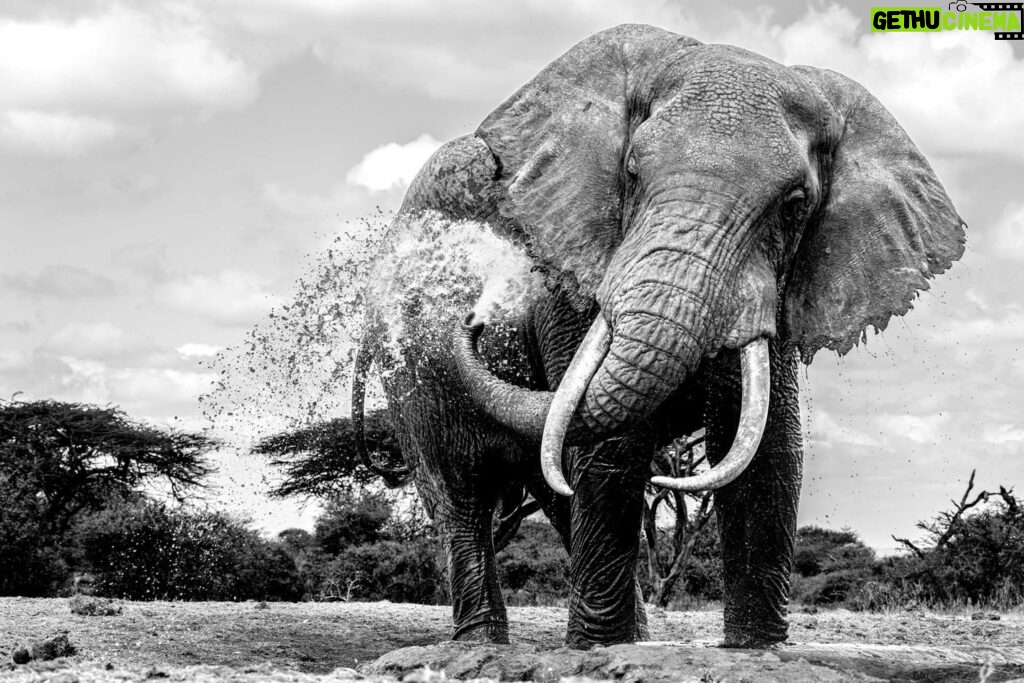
(584, 638)
(754, 639)
(583, 642)
(486, 630)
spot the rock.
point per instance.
(21, 656)
(985, 616)
(88, 606)
(58, 646)
(652, 663)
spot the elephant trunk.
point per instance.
(664, 310)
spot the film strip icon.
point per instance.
(1002, 7)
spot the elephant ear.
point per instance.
(885, 228)
(559, 142)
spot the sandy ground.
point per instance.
(295, 641)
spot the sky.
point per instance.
(170, 169)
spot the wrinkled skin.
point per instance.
(699, 197)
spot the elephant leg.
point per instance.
(559, 512)
(460, 501)
(605, 605)
(757, 512)
(478, 608)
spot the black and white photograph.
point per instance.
(524, 341)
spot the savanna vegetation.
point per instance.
(89, 492)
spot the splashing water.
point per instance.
(416, 279)
(432, 271)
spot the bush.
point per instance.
(147, 551)
(399, 571)
(973, 554)
(30, 561)
(829, 566)
(351, 520)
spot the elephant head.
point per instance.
(705, 197)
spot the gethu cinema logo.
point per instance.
(1000, 17)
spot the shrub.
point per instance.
(972, 554)
(147, 551)
(399, 571)
(30, 561)
(350, 520)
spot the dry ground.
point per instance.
(216, 641)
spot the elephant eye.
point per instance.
(795, 206)
(631, 164)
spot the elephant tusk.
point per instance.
(753, 418)
(571, 389)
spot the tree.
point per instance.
(973, 552)
(669, 554)
(323, 460)
(59, 460)
(72, 457)
(352, 520)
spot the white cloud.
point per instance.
(447, 49)
(134, 385)
(1008, 233)
(60, 281)
(197, 350)
(70, 83)
(54, 134)
(100, 341)
(393, 166)
(310, 205)
(12, 359)
(124, 59)
(232, 296)
(826, 431)
(917, 428)
(93, 381)
(1002, 434)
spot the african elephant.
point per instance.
(703, 218)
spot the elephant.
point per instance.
(700, 220)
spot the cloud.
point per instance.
(447, 49)
(73, 82)
(196, 350)
(100, 341)
(310, 205)
(158, 385)
(64, 282)
(1008, 233)
(827, 432)
(231, 297)
(393, 166)
(1001, 434)
(54, 134)
(925, 429)
(123, 59)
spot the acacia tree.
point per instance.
(59, 460)
(971, 552)
(669, 552)
(325, 461)
(71, 457)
